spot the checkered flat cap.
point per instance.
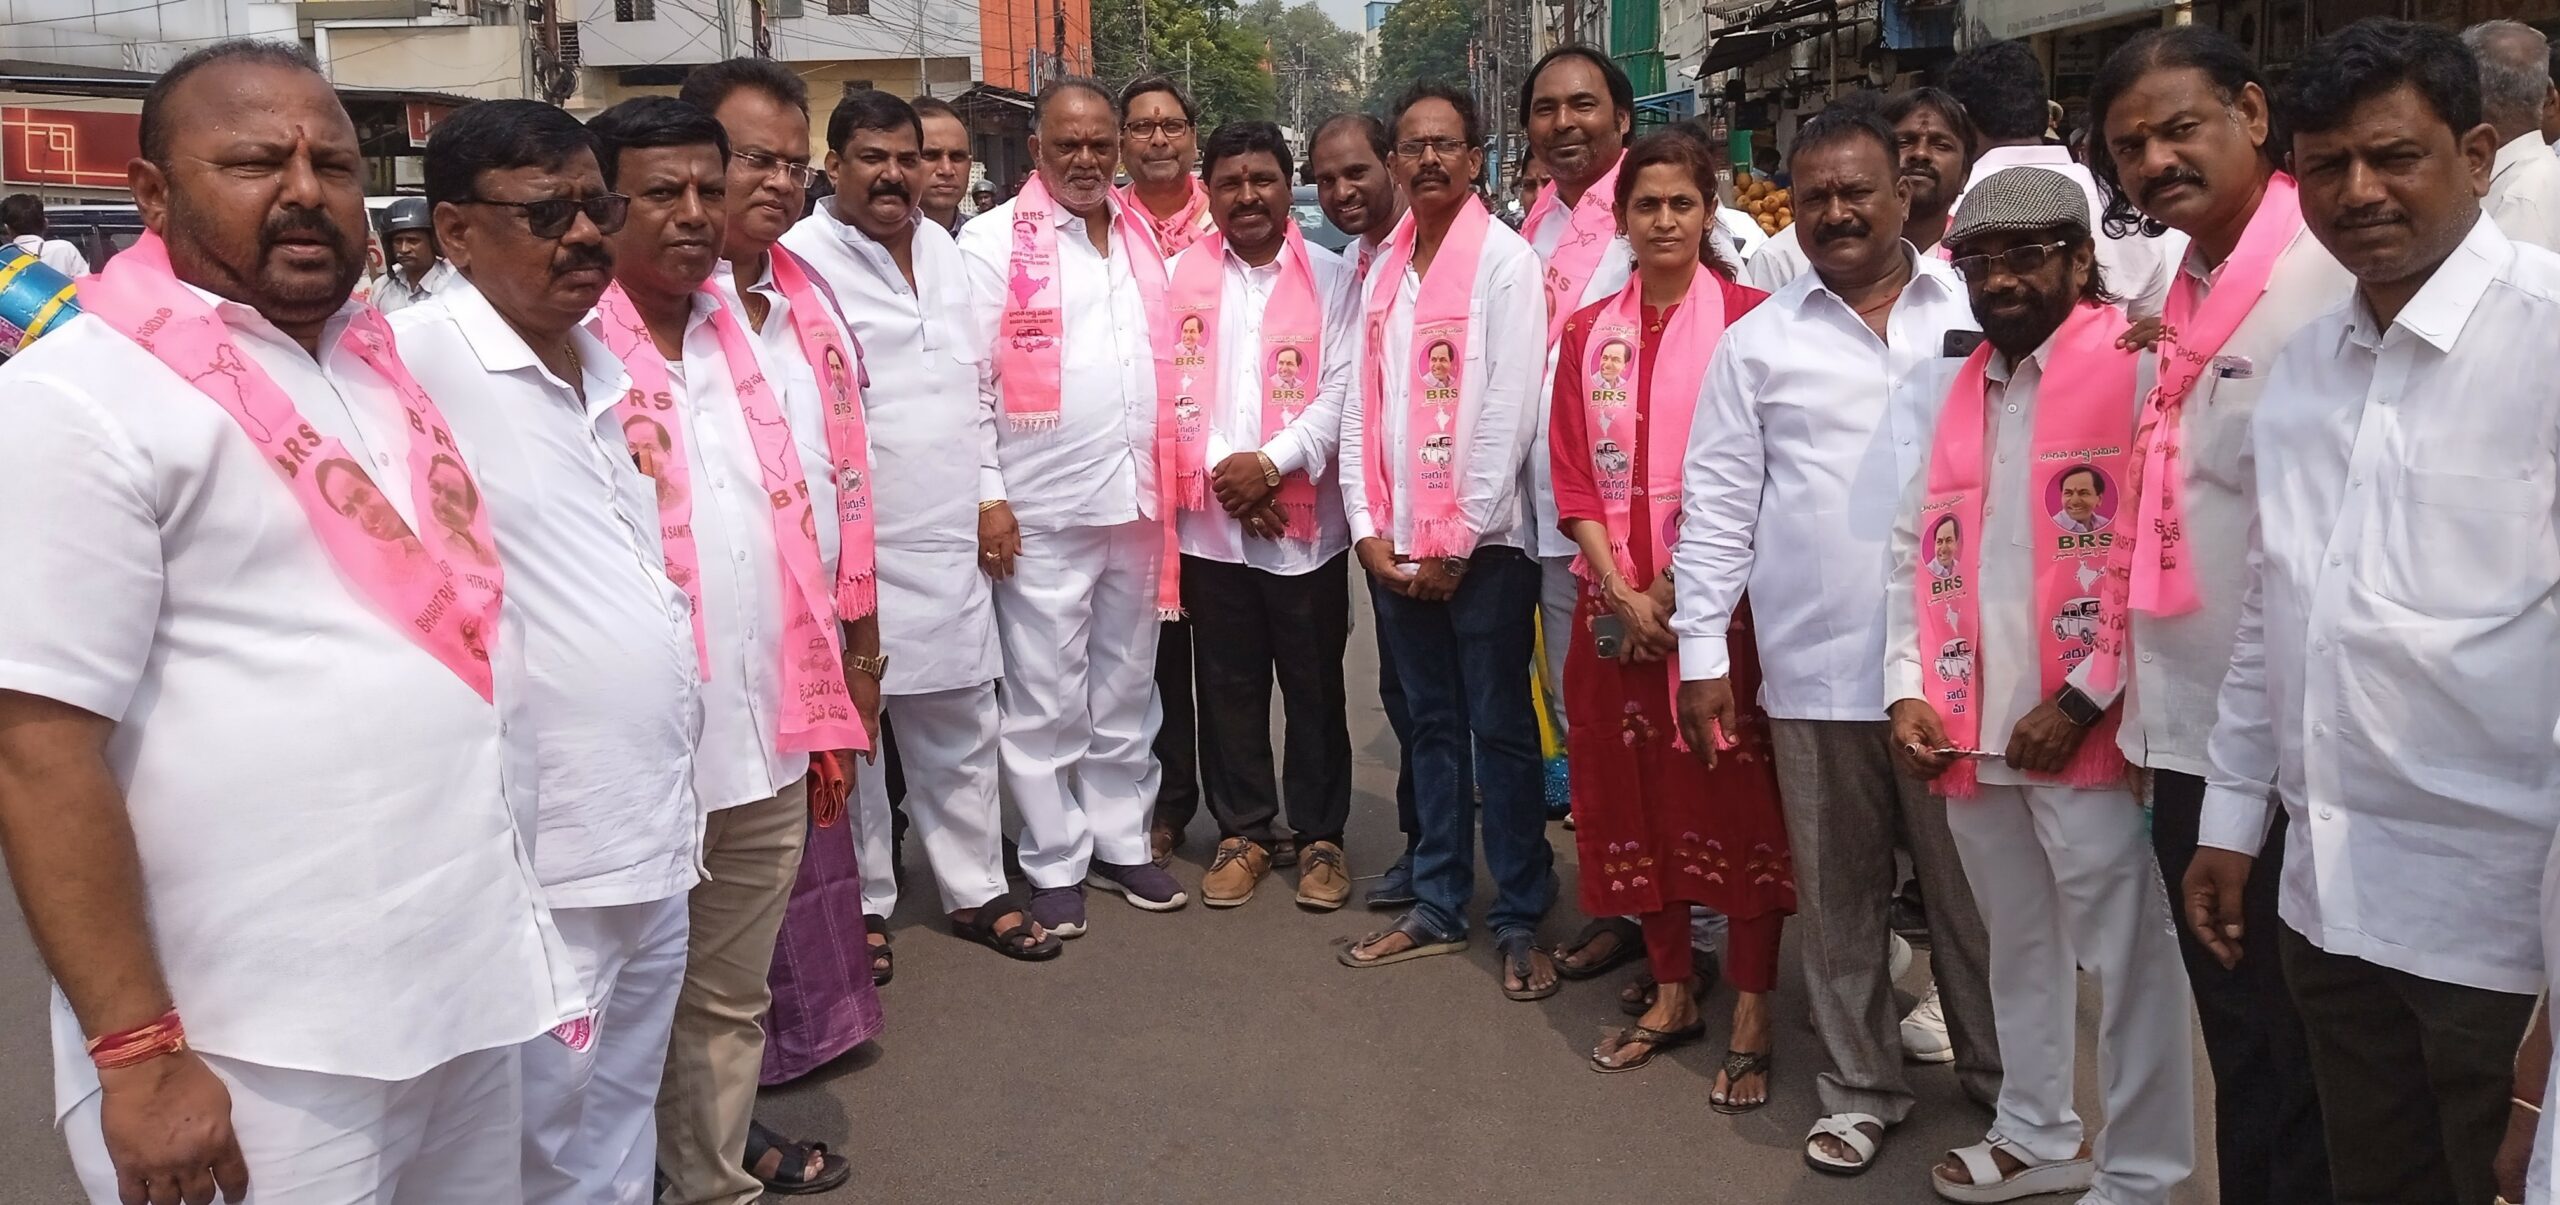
(2021, 198)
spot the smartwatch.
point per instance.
(2078, 708)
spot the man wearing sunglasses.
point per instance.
(1159, 143)
(2052, 838)
(607, 711)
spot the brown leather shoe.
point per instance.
(1234, 873)
(1324, 884)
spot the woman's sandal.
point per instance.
(884, 961)
(1519, 961)
(1015, 942)
(1629, 946)
(1655, 1042)
(790, 1175)
(1738, 1064)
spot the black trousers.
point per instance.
(1399, 722)
(1177, 746)
(2266, 1113)
(1251, 627)
(2414, 1076)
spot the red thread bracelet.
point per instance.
(141, 1044)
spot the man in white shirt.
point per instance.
(418, 268)
(2002, 88)
(1458, 624)
(2391, 682)
(1576, 108)
(1265, 571)
(906, 295)
(264, 828)
(1073, 529)
(2515, 91)
(946, 163)
(1933, 143)
(22, 215)
(2052, 839)
(1817, 407)
(1357, 191)
(2184, 141)
(608, 712)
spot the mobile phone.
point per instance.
(1608, 636)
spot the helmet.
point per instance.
(407, 213)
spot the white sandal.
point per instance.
(1987, 1185)
(1846, 1128)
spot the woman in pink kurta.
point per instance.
(1657, 829)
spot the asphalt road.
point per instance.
(1205, 1057)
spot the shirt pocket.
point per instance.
(2217, 428)
(2466, 546)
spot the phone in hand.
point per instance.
(1609, 637)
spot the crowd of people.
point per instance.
(441, 756)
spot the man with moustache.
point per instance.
(234, 730)
(1348, 160)
(2051, 836)
(767, 572)
(418, 269)
(606, 719)
(1817, 408)
(2187, 137)
(2390, 682)
(1264, 569)
(946, 163)
(2515, 95)
(2002, 88)
(1431, 476)
(906, 295)
(1931, 140)
(1076, 507)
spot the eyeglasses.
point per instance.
(763, 164)
(551, 217)
(2018, 260)
(1171, 127)
(1444, 148)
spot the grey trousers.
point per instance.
(1847, 806)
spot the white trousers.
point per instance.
(591, 1118)
(447, 1137)
(2066, 878)
(1559, 591)
(947, 749)
(1080, 711)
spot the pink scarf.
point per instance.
(2150, 570)
(1292, 321)
(817, 710)
(848, 445)
(1431, 394)
(2083, 410)
(1587, 235)
(1175, 234)
(1686, 343)
(443, 592)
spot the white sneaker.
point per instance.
(1900, 956)
(1924, 1032)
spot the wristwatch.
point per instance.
(1270, 471)
(2078, 708)
(877, 667)
(1454, 566)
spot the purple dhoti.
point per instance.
(823, 1001)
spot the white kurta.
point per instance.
(920, 351)
(2524, 193)
(394, 294)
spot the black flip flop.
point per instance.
(1517, 964)
(1655, 1042)
(1015, 942)
(1629, 948)
(788, 1180)
(1736, 1065)
(884, 961)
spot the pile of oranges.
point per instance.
(1767, 203)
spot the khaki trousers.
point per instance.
(708, 1097)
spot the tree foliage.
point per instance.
(1314, 62)
(1423, 41)
(1201, 45)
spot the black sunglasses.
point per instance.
(2019, 260)
(551, 217)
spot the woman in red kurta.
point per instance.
(1657, 829)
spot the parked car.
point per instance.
(1312, 223)
(99, 231)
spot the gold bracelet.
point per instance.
(989, 504)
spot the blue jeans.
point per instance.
(1465, 666)
(1391, 698)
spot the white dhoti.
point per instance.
(591, 1117)
(2060, 873)
(447, 1137)
(1078, 624)
(947, 749)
